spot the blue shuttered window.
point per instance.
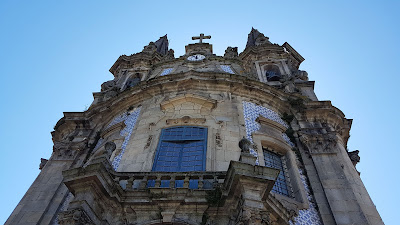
(181, 149)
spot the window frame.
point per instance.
(161, 139)
(283, 170)
(298, 195)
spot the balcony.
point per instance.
(169, 196)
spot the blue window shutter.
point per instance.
(181, 149)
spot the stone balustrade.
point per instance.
(202, 180)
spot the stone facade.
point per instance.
(291, 166)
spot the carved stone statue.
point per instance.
(245, 144)
(231, 52)
(110, 147)
(301, 74)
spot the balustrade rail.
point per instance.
(192, 180)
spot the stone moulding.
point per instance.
(116, 127)
(264, 121)
(204, 102)
(186, 120)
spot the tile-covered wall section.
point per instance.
(308, 216)
(251, 112)
(129, 119)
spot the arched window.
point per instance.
(272, 73)
(133, 81)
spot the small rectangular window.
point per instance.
(274, 160)
(227, 69)
(166, 71)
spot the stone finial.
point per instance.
(256, 38)
(245, 144)
(162, 45)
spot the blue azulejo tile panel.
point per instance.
(308, 216)
(251, 112)
(227, 69)
(166, 71)
(130, 121)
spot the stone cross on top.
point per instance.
(201, 37)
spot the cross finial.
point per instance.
(201, 37)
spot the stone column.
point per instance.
(347, 198)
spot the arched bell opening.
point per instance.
(133, 80)
(272, 73)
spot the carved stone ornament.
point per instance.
(354, 157)
(186, 120)
(150, 48)
(148, 141)
(320, 143)
(74, 216)
(251, 216)
(218, 140)
(231, 52)
(42, 163)
(245, 144)
(107, 85)
(301, 74)
(68, 150)
(110, 147)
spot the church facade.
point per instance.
(202, 139)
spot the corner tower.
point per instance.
(202, 139)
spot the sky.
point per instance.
(55, 54)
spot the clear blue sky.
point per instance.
(54, 54)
